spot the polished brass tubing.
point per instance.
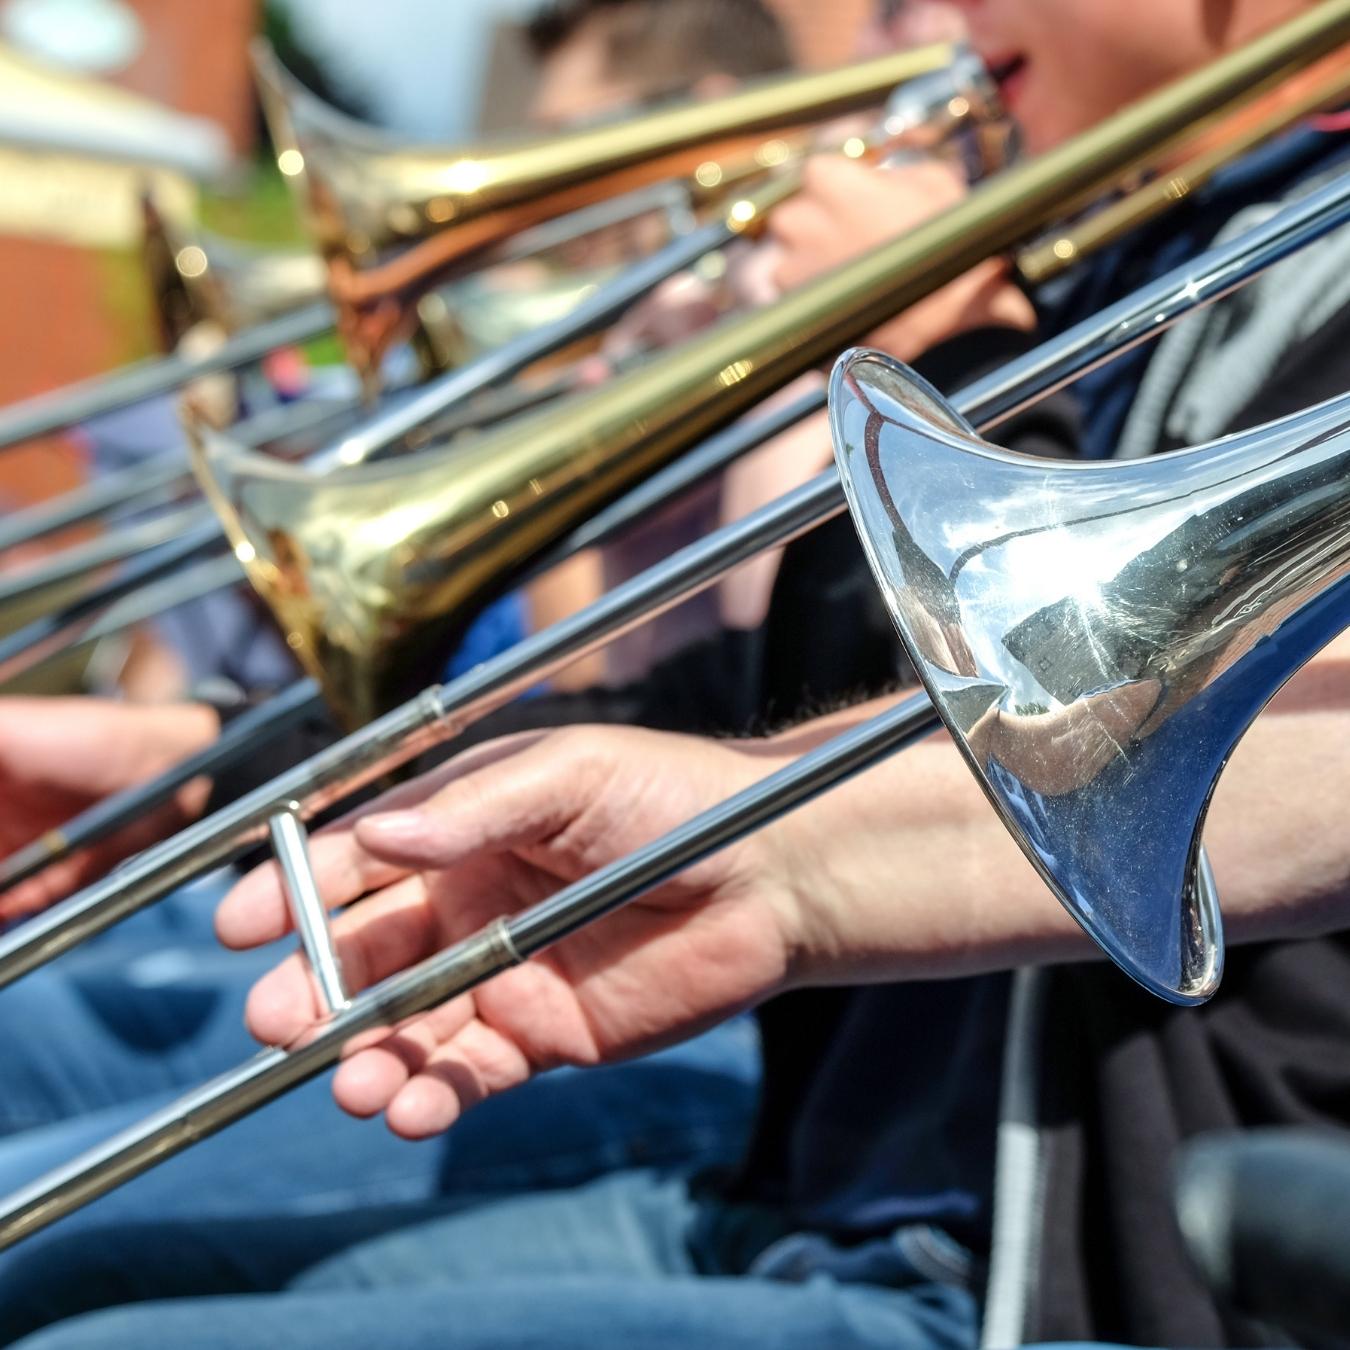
(1042, 262)
(361, 568)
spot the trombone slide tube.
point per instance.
(501, 945)
(667, 197)
(83, 560)
(687, 472)
(439, 713)
(61, 408)
(24, 648)
(302, 699)
(202, 578)
(143, 484)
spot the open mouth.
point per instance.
(1007, 72)
(1006, 68)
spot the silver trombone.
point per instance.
(1251, 489)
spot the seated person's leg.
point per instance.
(152, 1006)
(633, 1259)
(689, 1105)
(630, 1224)
(566, 1313)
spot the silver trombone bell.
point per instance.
(1098, 636)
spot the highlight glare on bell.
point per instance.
(1098, 636)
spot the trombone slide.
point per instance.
(439, 713)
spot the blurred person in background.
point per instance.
(600, 59)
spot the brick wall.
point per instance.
(196, 60)
(62, 320)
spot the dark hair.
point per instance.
(691, 38)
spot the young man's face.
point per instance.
(1078, 61)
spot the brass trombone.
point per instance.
(422, 415)
(391, 222)
(532, 182)
(369, 571)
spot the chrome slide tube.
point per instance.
(439, 713)
(272, 719)
(498, 947)
(46, 413)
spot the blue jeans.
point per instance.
(636, 1259)
(91, 1043)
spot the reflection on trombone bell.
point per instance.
(1097, 637)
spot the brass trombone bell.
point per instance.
(392, 220)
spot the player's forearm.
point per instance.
(907, 873)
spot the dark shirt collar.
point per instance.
(1265, 175)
